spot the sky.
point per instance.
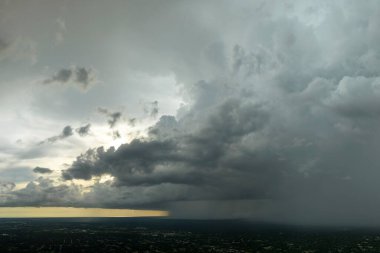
(265, 110)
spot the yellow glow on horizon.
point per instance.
(72, 212)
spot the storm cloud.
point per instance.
(271, 128)
(278, 118)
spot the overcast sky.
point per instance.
(267, 110)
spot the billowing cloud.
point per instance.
(207, 159)
(279, 119)
(265, 128)
(356, 97)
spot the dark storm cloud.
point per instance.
(284, 120)
(80, 77)
(83, 130)
(199, 159)
(140, 157)
(280, 119)
(42, 170)
(114, 117)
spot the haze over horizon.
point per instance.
(266, 110)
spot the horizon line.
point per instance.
(76, 212)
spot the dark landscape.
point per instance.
(170, 235)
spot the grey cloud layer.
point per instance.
(290, 122)
(281, 120)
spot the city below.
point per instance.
(142, 235)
